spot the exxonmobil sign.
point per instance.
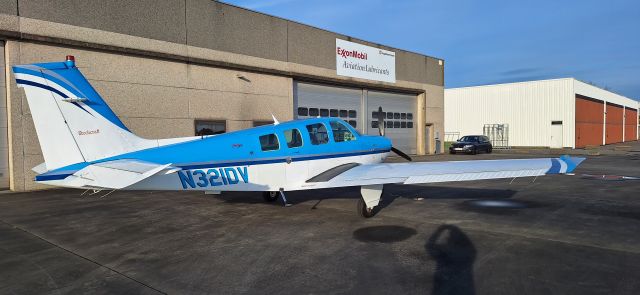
(365, 62)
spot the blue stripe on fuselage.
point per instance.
(62, 175)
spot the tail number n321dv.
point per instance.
(213, 177)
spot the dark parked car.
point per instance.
(471, 144)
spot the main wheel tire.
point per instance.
(363, 210)
(271, 196)
(489, 150)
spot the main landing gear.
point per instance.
(274, 195)
(369, 200)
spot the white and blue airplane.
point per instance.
(86, 146)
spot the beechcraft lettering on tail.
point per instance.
(86, 146)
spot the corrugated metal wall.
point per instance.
(528, 108)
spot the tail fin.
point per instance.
(72, 121)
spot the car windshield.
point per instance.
(469, 139)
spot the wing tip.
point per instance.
(572, 162)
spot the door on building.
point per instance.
(400, 111)
(589, 121)
(614, 122)
(313, 100)
(556, 135)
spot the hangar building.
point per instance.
(559, 113)
(176, 68)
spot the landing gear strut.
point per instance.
(274, 195)
(370, 199)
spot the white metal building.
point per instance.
(549, 113)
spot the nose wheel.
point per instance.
(363, 210)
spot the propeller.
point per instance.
(381, 132)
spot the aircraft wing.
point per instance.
(115, 174)
(433, 172)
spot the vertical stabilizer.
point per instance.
(72, 121)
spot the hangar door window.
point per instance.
(318, 134)
(210, 127)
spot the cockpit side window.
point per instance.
(293, 138)
(341, 132)
(269, 142)
(318, 133)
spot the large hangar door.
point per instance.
(4, 140)
(630, 125)
(614, 123)
(400, 112)
(589, 122)
(312, 100)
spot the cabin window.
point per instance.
(209, 127)
(293, 138)
(269, 142)
(318, 133)
(341, 132)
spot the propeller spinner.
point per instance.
(381, 129)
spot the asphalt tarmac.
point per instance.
(563, 234)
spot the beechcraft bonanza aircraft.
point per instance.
(86, 146)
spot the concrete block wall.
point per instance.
(218, 26)
(154, 98)
(162, 64)
(4, 138)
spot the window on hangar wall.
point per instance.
(210, 127)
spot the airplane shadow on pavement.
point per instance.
(454, 254)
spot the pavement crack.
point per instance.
(82, 257)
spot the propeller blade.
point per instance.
(380, 122)
(401, 154)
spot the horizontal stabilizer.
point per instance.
(117, 174)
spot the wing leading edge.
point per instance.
(434, 172)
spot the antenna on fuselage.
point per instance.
(275, 121)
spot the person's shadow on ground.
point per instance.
(454, 254)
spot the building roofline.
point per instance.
(511, 83)
(543, 80)
(349, 38)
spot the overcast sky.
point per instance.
(486, 42)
